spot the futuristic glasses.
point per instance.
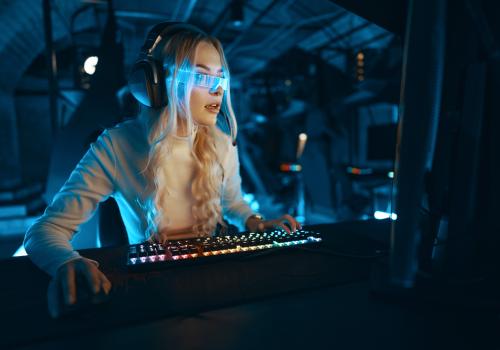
(203, 80)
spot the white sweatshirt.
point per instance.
(113, 166)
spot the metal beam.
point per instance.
(372, 40)
(388, 14)
(343, 35)
(142, 15)
(177, 16)
(310, 28)
(189, 10)
(358, 47)
(247, 30)
(325, 29)
(219, 22)
(51, 65)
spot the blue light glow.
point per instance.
(252, 202)
(211, 82)
(20, 251)
(248, 197)
(381, 215)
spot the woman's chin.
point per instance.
(207, 120)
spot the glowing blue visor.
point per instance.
(203, 80)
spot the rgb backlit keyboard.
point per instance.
(148, 254)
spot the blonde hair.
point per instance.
(177, 54)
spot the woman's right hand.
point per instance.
(62, 288)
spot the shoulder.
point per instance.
(125, 129)
(122, 141)
(129, 133)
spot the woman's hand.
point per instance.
(286, 222)
(62, 288)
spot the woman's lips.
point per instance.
(213, 108)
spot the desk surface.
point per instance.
(292, 298)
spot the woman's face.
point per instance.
(205, 105)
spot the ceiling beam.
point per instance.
(255, 21)
(388, 14)
(155, 16)
(343, 35)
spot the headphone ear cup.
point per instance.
(147, 84)
(147, 79)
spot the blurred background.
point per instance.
(315, 89)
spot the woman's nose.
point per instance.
(216, 92)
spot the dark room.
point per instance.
(236, 174)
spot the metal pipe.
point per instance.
(51, 65)
(423, 65)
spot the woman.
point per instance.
(173, 173)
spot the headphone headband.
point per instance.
(164, 29)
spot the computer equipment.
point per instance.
(151, 255)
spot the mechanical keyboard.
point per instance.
(149, 255)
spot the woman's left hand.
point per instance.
(286, 222)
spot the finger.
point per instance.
(105, 283)
(91, 276)
(68, 284)
(53, 297)
(281, 224)
(291, 221)
(159, 238)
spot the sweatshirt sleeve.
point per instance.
(233, 204)
(47, 241)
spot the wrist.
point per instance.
(253, 222)
(256, 217)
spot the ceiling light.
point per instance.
(90, 64)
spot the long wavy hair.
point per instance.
(177, 53)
